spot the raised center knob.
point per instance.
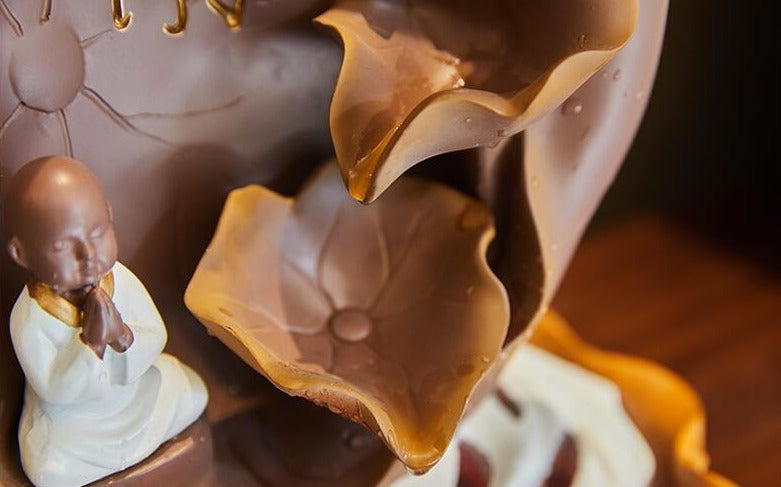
(47, 67)
(351, 325)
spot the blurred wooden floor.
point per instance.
(653, 289)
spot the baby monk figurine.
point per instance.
(100, 396)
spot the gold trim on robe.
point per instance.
(58, 306)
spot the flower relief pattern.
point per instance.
(387, 314)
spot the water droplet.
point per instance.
(484, 359)
(572, 106)
(468, 120)
(616, 75)
(582, 39)
(351, 325)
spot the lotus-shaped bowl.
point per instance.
(387, 314)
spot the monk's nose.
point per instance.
(86, 250)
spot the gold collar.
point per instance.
(58, 306)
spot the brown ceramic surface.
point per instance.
(171, 124)
(387, 314)
(423, 78)
(184, 461)
(288, 441)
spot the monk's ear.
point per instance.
(16, 252)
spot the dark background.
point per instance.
(682, 263)
(709, 146)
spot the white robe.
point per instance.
(556, 398)
(86, 418)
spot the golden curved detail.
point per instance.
(58, 306)
(181, 19)
(231, 15)
(46, 11)
(9, 16)
(121, 19)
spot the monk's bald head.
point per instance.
(59, 222)
(44, 185)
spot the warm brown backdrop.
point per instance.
(683, 262)
(653, 288)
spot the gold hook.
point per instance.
(121, 20)
(231, 15)
(181, 19)
(46, 11)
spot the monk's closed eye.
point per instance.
(98, 231)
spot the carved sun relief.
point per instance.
(48, 71)
(387, 314)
